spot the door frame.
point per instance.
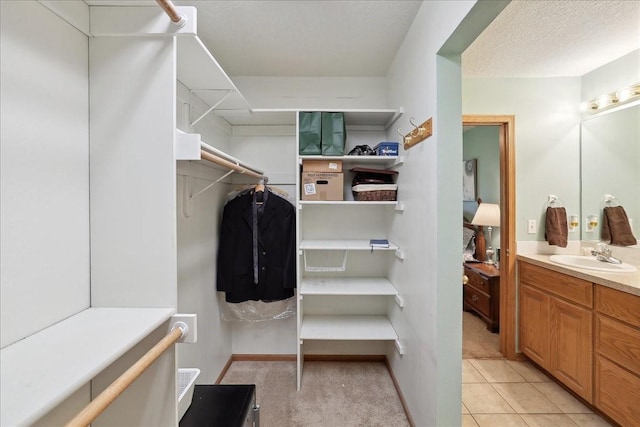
(508, 250)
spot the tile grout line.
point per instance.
(521, 415)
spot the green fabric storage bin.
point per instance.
(334, 134)
(310, 130)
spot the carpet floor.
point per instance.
(477, 341)
(340, 394)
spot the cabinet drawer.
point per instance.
(618, 304)
(478, 300)
(619, 342)
(573, 289)
(477, 281)
(617, 392)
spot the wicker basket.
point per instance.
(375, 192)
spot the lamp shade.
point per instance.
(487, 214)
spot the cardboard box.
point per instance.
(332, 166)
(321, 186)
(387, 149)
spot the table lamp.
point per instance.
(488, 215)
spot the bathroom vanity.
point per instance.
(583, 328)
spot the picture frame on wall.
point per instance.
(469, 180)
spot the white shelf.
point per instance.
(347, 328)
(365, 119)
(343, 245)
(198, 70)
(348, 203)
(258, 117)
(237, 115)
(40, 371)
(349, 161)
(372, 117)
(347, 286)
(354, 159)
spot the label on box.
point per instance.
(316, 165)
(310, 189)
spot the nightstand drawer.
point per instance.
(478, 300)
(477, 281)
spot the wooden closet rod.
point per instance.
(229, 165)
(172, 12)
(104, 399)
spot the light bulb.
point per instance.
(588, 105)
(627, 93)
(602, 100)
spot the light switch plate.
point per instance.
(532, 226)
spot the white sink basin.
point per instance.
(591, 263)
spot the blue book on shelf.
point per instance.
(379, 243)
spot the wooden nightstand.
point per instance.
(482, 293)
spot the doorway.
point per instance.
(506, 142)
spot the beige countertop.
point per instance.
(626, 282)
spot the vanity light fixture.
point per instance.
(613, 99)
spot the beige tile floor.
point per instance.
(498, 392)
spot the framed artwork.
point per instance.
(469, 180)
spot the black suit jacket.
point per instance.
(276, 250)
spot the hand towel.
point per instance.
(616, 227)
(556, 231)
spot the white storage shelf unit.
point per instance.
(343, 290)
(355, 327)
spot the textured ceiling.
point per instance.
(554, 38)
(530, 38)
(304, 38)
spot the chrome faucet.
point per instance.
(603, 253)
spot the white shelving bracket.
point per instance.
(399, 347)
(211, 185)
(399, 161)
(399, 301)
(220, 101)
(399, 254)
(187, 197)
(399, 207)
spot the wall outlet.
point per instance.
(532, 227)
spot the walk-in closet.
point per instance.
(123, 139)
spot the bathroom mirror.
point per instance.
(610, 162)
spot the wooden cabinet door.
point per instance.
(617, 392)
(535, 325)
(571, 346)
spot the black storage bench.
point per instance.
(223, 405)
